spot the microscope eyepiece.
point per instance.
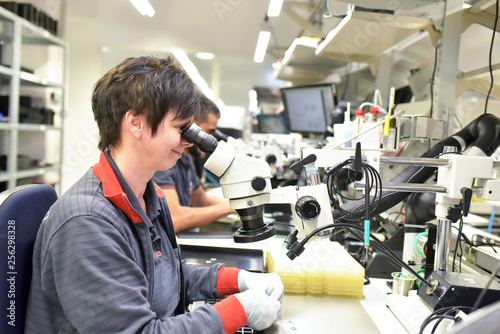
(205, 142)
(219, 135)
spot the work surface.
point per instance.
(305, 314)
(318, 315)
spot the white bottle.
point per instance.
(338, 134)
(357, 125)
(347, 128)
(371, 139)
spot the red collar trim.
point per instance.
(159, 192)
(112, 189)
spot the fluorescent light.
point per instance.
(262, 43)
(193, 73)
(205, 55)
(144, 7)
(274, 8)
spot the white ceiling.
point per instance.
(223, 27)
(227, 28)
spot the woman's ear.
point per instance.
(134, 123)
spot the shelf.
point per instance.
(300, 62)
(480, 72)
(30, 33)
(6, 15)
(6, 71)
(29, 127)
(27, 173)
(29, 79)
(479, 80)
(362, 35)
(4, 176)
(34, 172)
(28, 46)
(389, 5)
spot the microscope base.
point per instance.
(459, 289)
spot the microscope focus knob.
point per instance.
(271, 159)
(258, 183)
(308, 208)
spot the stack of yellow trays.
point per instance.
(323, 269)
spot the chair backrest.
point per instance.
(22, 210)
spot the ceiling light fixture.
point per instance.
(274, 8)
(143, 7)
(205, 55)
(262, 42)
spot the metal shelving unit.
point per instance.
(362, 35)
(17, 36)
(301, 64)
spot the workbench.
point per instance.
(318, 315)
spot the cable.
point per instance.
(486, 243)
(399, 213)
(347, 75)
(298, 247)
(383, 196)
(443, 313)
(447, 313)
(275, 39)
(373, 181)
(485, 289)
(458, 120)
(432, 79)
(460, 227)
(490, 56)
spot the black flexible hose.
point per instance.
(483, 132)
(412, 174)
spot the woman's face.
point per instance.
(166, 146)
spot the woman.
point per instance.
(106, 259)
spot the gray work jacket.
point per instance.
(102, 265)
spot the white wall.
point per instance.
(84, 69)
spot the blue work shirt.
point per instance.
(182, 177)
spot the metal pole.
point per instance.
(427, 162)
(442, 244)
(407, 187)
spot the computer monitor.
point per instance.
(271, 123)
(308, 108)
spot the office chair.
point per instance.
(22, 210)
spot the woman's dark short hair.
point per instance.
(148, 85)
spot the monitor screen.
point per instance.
(308, 108)
(270, 123)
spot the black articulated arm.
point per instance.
(483, 133)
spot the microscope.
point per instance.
(245, 181)
(460, 176)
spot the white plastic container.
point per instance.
(371, 139)
(324, 269)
